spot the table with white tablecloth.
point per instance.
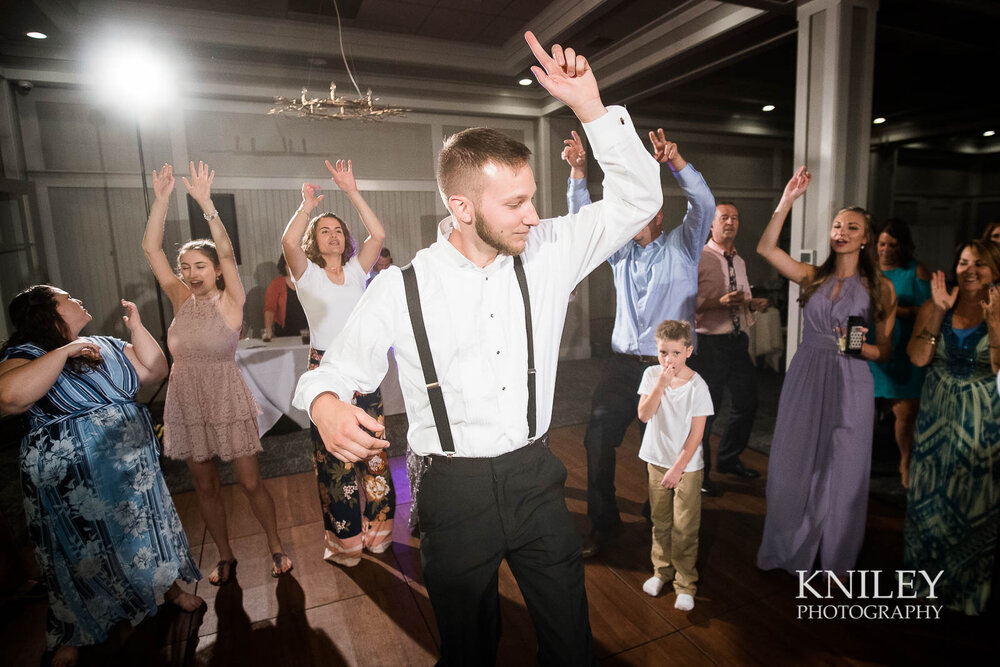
(766, 339)
(272, 370)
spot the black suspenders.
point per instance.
(427, 361)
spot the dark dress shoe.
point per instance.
(591, 547)
(737, 468)
(709, 488)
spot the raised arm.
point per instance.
(577, 195)
(143, 352)
(152, 239)
(701, 203)
(24, 381)
(200, 189)
(927, 326)
(291, 239)
(343, 176)
(991, 314)
(792, 269)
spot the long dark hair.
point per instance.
(309, 245)
(36, 320)
(900, 231)
(207, 248)
(867, 267)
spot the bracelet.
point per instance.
(210, 216)
(929, 337)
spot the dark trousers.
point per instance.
(614, 407)
(723, 361)
(476, 512)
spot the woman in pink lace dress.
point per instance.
(209, 411)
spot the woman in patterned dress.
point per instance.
(209, 410)
(953, 501)
(358, 500)
(107, 537)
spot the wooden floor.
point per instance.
(378, 613)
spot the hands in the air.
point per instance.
(131, 317)
(310, 198)
(797, 185)
(163, 182)
(573, 153)
(568, 78)
(343, 175)
(943, 299)
(200, 185)
(665, 152)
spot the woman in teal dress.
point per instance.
(953, 501)
(899, 381)
(107, 537)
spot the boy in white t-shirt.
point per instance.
(676, 402)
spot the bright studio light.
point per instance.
(878, 121)
(989, 133)
(132, 76)
(767, 107)
(36, 35)
(525, 82)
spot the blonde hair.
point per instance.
(678, 330)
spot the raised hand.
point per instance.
(310, 199)
(943, 299)
(573, 153)
(665, 152)
(343, 175)
(991, 308)
(568, 78)
(163, 182)
(200, 185)
(666, 375)
(131, 317)
(797, 185)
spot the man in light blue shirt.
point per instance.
(656, 279)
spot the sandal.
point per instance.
(230, 568)
(276, 570)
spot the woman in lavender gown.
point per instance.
(817, 478)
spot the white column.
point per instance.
(836, 57)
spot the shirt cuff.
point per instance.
(608, 130)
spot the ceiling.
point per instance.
(691, 62)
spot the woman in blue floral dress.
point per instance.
(107, 537)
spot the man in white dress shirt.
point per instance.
(500, 495)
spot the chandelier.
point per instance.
(362, 107)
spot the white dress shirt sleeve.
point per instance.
(356, 359)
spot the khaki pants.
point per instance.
(676, 515)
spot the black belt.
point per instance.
(640, 358)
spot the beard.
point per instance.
(494, 240)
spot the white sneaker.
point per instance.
(653, 586)
(684, 602)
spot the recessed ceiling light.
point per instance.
(36, 35)
(989, 133)
(525, 81)
(767, 107)
(878, 121)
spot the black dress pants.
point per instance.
(474, 513)
(723, 361)
(614, 407)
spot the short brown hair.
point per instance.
(309, 241)
(675, 330)
(464, 155)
